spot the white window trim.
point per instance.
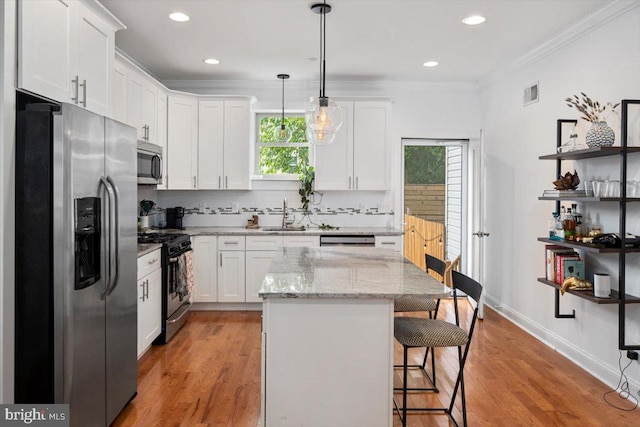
(256, 147)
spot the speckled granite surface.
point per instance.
(221, 231)
(145, 248)
(342, 272)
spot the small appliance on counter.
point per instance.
(174, 217)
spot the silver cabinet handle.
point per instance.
(142, 297)
(230, 243)
(152, 261)
(220, 260)
(219, 179)
(194, 181)
(147, 132)
(84, 91)
(146, 295)
(349, 183)
(388, 243)
(226, 181)
(75, 82)
(356, 182)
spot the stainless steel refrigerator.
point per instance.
(76, 299)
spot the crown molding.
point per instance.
(584, 26)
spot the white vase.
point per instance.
(600, 135)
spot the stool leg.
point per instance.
(404, 387)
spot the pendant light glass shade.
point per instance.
(282, 133)
(323, 116)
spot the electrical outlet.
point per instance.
(633, 355)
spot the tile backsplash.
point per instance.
(234, 208)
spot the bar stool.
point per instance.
(412, 332)
(414, 304)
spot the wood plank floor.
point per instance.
(209, 376)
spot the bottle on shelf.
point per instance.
(580, 231)
(569, 225)
(553, 231)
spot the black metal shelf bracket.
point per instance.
(622, 259)
(557, 313)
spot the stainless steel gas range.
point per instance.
(177, 280)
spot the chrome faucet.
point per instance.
(285, 214)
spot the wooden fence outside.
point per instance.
(429, 233)
(426, 201)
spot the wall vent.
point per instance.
(531, 94)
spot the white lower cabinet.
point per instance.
(205, 268)
(231, 269)
(301, 241)
(149, 300)
(389, 242)
(258, 263)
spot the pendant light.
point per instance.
(283, 133)
(323, 116)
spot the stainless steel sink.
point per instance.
(290, 228)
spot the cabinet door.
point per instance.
(134, 102)
(120, 74)
(231, 274)
(371, 128)
(302, 241)
(149, 309)
(92, 47)
(162, 134)
(44, 52)
(237, 146)
(205, 269)
(258, 263)
(148, 110)
(334, 162)
(182, 143)
(210, 144)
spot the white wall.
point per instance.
(420, 110)
(7, 150)
(605, 64)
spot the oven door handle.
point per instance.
(173, 260)
(188, 304)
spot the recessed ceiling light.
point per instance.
(179, 17)
(474, 20)
(211, 61)
(430, 64)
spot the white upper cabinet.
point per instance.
(120, 76)
(358, 158)
(182, 143)
(224, 144)
(161, 138)
(142, 100)
(66, 52)
(211, 145)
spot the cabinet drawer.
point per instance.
(231, 243)
(148, 263)
(389, 242)
(263, 243)
(301, 241)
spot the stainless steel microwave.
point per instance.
(149, 163)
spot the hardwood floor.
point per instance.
(209, 375)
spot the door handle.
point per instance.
(481, 234)
(75, 82)
(116, 233)
(142, 297)
(107, 224)
(84, 91)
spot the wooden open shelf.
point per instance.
(589, 199)
(588, 295)
(589, 153)
(585, 246)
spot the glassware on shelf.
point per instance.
(572, 143)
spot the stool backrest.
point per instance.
(435, 264)
(470, 287)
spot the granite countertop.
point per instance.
(343, 272)
(145, 248)
(221, 231)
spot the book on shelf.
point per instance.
(560, 261)
(569, 193)
(573, 268)
(551, 253)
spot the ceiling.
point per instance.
(375, 40)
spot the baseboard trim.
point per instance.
(607, 374)
(226, 306)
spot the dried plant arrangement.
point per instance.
(592, 111)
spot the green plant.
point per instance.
(307, 175)
(592, 111)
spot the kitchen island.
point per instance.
(327, 341)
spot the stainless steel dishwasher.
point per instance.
(348, 240)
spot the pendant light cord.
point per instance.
(321, 59)
(324, 45)
(282, 124)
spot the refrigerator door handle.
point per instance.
(116, 234)
(107, 232)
